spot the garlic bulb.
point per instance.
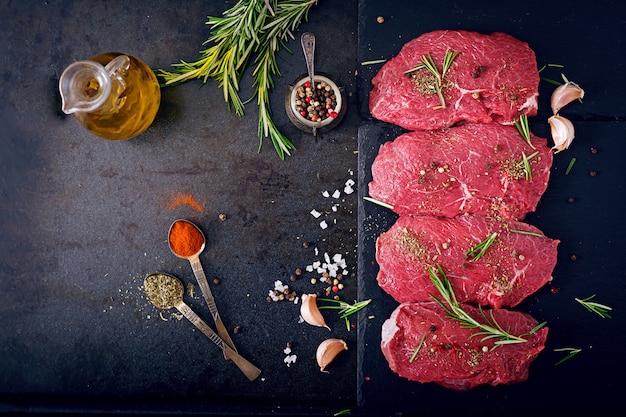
(562, 132)
(565, 94)
(310, 312)
(328, 350)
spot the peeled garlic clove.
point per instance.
(310, 312)
(562, 132)
(328, 350)
(565, 94)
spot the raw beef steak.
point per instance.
(493, 78)
(472, 168)
(448, 354)
(518, 262)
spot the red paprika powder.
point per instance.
(185, 239)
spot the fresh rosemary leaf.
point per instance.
(569, 167)
(476, 252)
(417, 349)
(374, 62)
(523, 232)
(380, 203)
(523, 128)
(600, 309)
(571, 353)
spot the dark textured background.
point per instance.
(84, 220)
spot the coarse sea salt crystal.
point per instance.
(289, 359)
(315, 213)
(323, 224)
(309, 268)
(336, 194)
(348, 190)
(334, 207)
(350, 182)
(325, 193)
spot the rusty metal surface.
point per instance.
(84, 220)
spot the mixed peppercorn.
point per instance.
(318, 103)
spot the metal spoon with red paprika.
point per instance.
(166, 291)
(187, 241)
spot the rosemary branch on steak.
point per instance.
(490, 329)
(429, 63)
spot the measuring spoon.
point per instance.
(165, 291)
(198, 272)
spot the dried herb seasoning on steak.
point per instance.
(472, 168)
(518, 262)
(422, 344)
(494, 78)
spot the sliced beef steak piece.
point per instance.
(493, 78)
(519, 261)
(472, 168)
(449, 355)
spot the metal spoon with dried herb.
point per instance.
(165, 291)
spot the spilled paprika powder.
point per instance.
(185, 239)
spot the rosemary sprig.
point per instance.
(345, 309)
(571, 353)
(523, 128)
(429, 63)
(600, 309)
(250, 27)
(490, 329)
(549, 80)
(477, 251)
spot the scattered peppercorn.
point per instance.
(216, 281)
(292, 278)
(554, 290)
(570, 200)
(237, 329)
(298, 271)
(593, 150)
(306, 244)
(380, 19)
(573, 257)
(433, 328)
(222, 216)
(592, 173)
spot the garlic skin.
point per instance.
(565, 94)
(328, 350)
(310, 312)
(562, 131)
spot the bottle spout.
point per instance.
(84, 86)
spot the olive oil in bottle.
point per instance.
(113, 96)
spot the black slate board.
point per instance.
(590, 227)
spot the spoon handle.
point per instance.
(251, 371)
(308, 47)
(208, 296)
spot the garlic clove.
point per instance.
(328, 350)
(562, 132)
(310, 312)
(565, 94)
